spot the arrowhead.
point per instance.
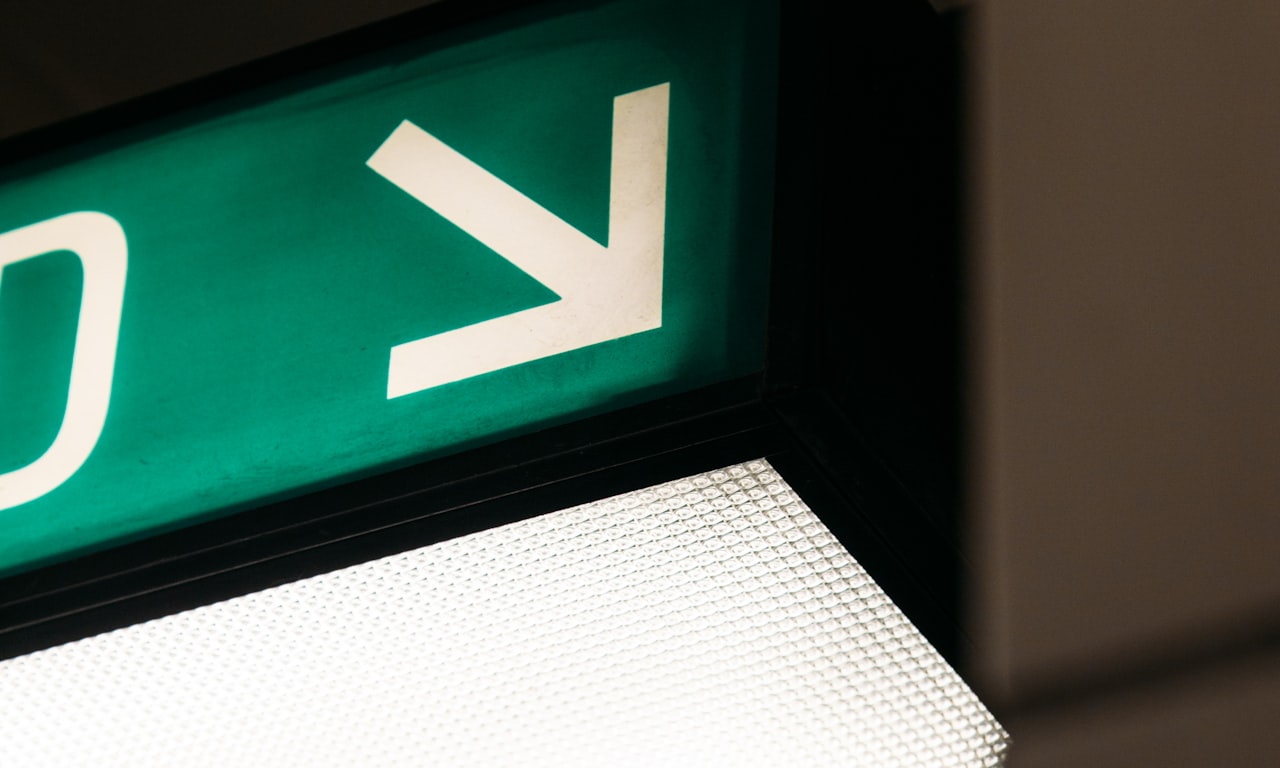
(605, 292)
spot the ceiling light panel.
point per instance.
(712, 620)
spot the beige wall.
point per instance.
(1126, 398)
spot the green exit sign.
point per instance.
(435, 246)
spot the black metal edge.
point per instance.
(591, 440)
(482, 494)
(469, 503)
(792, 346)
(867, 283)
(865, 341)
(852, 490)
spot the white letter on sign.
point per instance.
(99, 242)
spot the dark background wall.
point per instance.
(60, 58)
(1125, 271)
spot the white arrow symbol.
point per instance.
(605, 293)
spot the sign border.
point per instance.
(786, 413)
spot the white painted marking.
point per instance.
(605, 292)
(99, 242)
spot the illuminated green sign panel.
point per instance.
(432, 247)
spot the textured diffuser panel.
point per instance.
(710, 621)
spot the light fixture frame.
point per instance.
(793, 413)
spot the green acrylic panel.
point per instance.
(270, 269)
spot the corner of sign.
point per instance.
(404, 125)
(661, 88)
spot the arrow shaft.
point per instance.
(481, 204)
(605, 293)
(638, 198)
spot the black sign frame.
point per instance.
(850, 381)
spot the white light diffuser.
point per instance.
(710, 621)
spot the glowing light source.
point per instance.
(712, 620)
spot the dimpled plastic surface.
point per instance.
(709, 621)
